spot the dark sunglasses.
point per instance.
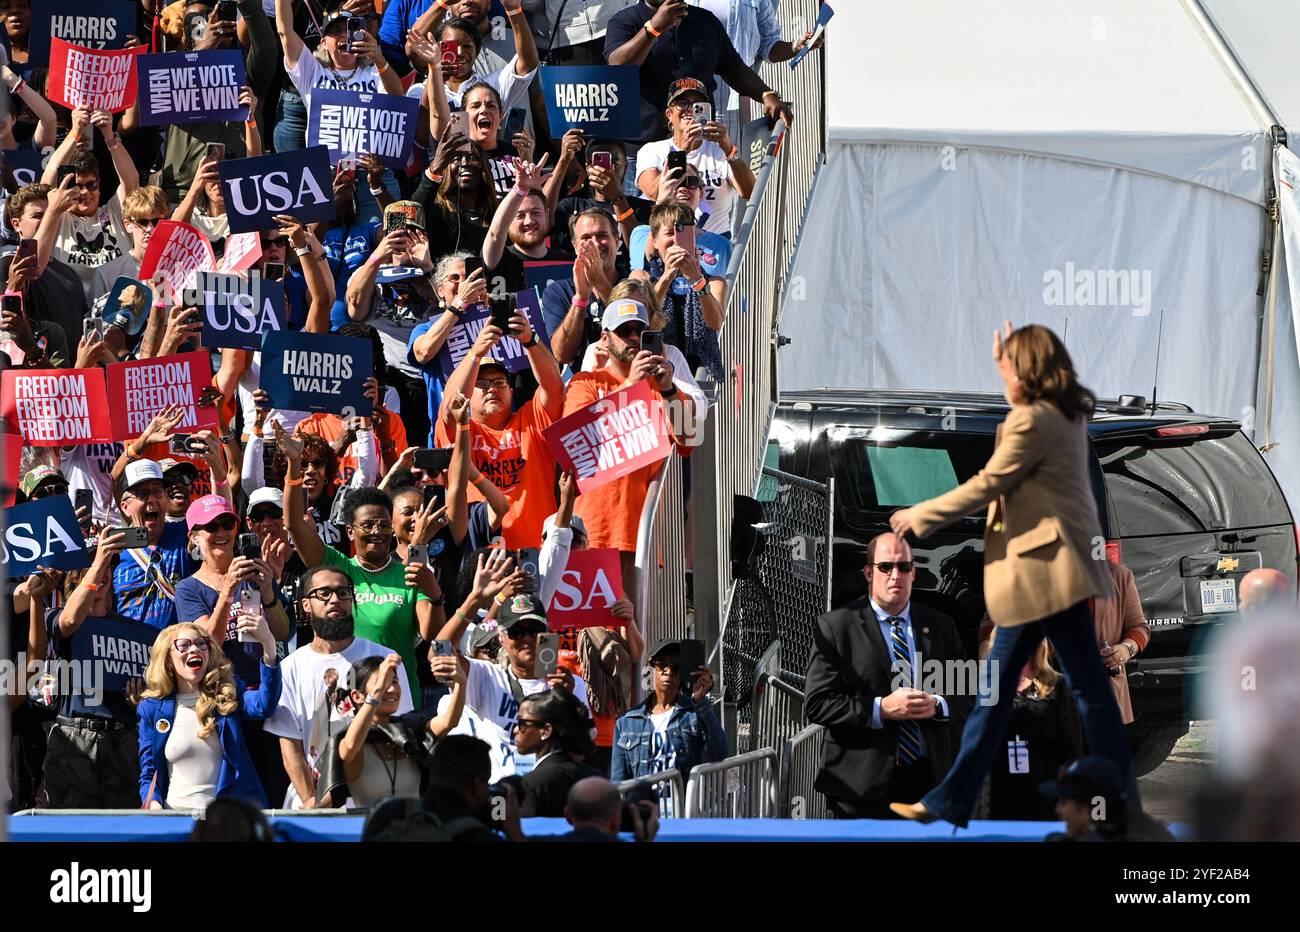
(224, 523)
(530, 723)
(87, 185)
(45, 491)
(904, 566)
(690, 182)
(522, 631)
(262, 514)
(280, 241)
(148, 221)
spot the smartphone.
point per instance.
(417, 553)
(226, 10)
(273, 271)
(136, 537)
(701, 112)
(502, 310)
(527, 560)
(514, 123)
(436, 494)
(676, 160)
(355, 34)
(84, 498)
(449, 52)
(442, 648)
(26, 247)
(92, 325)
(652, 341)
(686, 237)
(433, 459)
(347, 166)
(459, 123)
(185, 444)
(63, 172)
(248, 546)
(690, 660)
(393, 220)
(603, 160)
(548, 656)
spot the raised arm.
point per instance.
(526, 58)
(528, 178)
(461, 381)
(127, 173)
(315, 270)
(453, 670)
(303, 535)
(46, 128)
(635, 49)
(290, 41)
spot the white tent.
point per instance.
(1095, 165)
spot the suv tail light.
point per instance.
(1185, 430)
(1115, 555)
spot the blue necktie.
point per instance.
(909, 732)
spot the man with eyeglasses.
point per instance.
(314, 702)
(84, 232)
(143, 209)
(884, 736)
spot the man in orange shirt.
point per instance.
(508, 446)
(612, 512)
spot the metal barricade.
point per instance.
(778, 715)
(673, 780)
(801, 758)
(740, 787)
(661, 558)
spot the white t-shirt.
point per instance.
(512, 87)
(304, 676)
(715, 177)
(488, 696)
(90, 466)
(86, 243)
(310, 74)
(193, 762)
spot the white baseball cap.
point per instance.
(265, 496)
(140, 471)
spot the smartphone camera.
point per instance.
(248, 546)
(603, 161)
(226, 10)
(448, 52)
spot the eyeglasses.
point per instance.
(176, 483)
(325, 593)
(690, 182)
(45, 491)
(629, 330)
(87, 185)
(264, 514)
(904, 566)
(523, 631)
(488, 384)
(224, 523)
(530, 723)
(152, 490)
(184, 644)
(374, 526)
(147, 221)
(681, 103)
(280, 241)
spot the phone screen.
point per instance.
(274, 271)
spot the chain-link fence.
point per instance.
(788, 590)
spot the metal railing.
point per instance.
(801, 758)
(778, 714)
(733, 435)
(672, 778)
(740, 787)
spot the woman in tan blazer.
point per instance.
(1044, 558)
(1123, 628)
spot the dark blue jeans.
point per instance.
(1072, 635)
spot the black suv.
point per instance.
(1186, 502)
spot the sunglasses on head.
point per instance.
(887, 567)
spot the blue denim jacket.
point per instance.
(694, 732)
(753, 27)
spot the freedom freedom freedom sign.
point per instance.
(351, 124)
(317, 372)
(139, 390)
(56, 407)
(91, 24)
(100, 80)
(42, 533)
(191, 87)
(603, 101)
(612, 437)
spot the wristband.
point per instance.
(668, 392)
(377, 191)
(371, 700)
(619, 218)
(700, 284)
(517, 12)
(251, 122)
(384, 69)
(131, 452)
(576, 303)
(17, 88)
(93, 587)
(117, 141)
(460, 613)
(522, 192)
(531, 343)
(440, 602)
(441, 4)
(654, 33)
(271, 603)
(303, 250)
(433, 175)
(499, 598)
(293, 482)
(464, 429)
(731, 156)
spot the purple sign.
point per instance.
(191, 87)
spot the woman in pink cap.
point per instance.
(238, 575)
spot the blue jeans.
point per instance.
(1072, 635)
(291, 122)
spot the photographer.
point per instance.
(598, 813)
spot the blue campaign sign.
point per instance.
(27, 165)
(317, 372)
(603, 101)
(352, 124)
(191, 87)
(508, 351)
(819, 29)
(237, 311)
(298, 182)
(91, 24)
(118, 649)
(539, 273)
(42, 533)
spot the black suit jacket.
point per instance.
(546, 787)
(850, 668)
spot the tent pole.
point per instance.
(1264, 114)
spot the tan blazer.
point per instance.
(1043, 549)
(1119, 617)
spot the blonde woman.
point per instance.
(192, 748)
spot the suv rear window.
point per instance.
(1173, 488)
(882, 476)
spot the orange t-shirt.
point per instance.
(611, 513)
(519, 463)
(329, 427)
(604, 723)
(202, 484)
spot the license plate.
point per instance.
(1218, 595)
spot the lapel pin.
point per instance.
(163, 726)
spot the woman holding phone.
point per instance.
(192, 716)
(382, 753)
(1041, 561)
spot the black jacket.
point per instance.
(546, 788)
(848, 670)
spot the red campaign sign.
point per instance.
(612, 437)
(139, 390)
(242, 252)
(56, 407)
(176, 251)
(101, 79)
(591, 583)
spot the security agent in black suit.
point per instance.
(884, 738)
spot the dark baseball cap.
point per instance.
(1086, 778)
(522, 609)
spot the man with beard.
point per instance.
(573, 308)
(314, 702)
(518, 233)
